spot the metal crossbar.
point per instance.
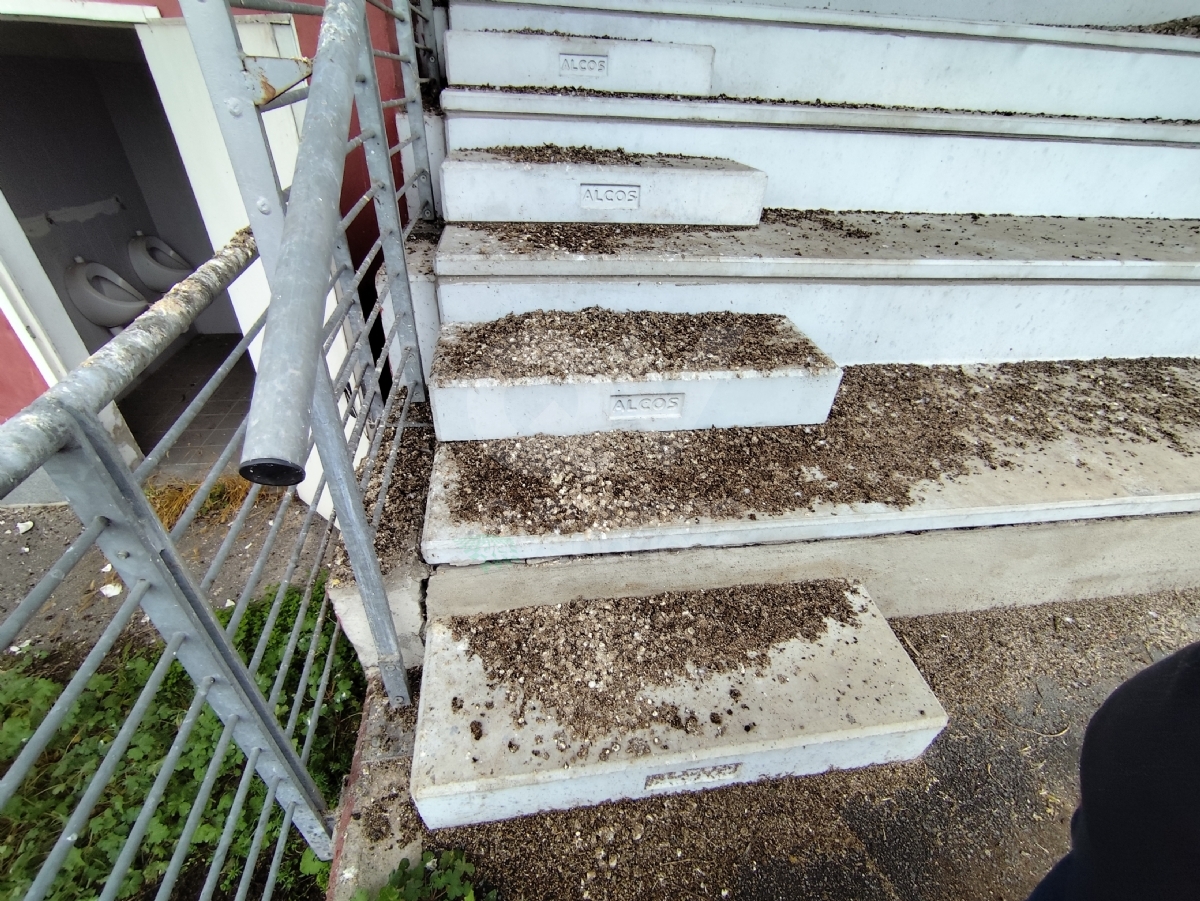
(316, 348)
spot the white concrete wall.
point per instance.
(858, 322)
(491, 58)
(858, 59)
(871, 160)
(1044, 12)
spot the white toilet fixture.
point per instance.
(154, 262)
(102, 296)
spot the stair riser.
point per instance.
(481, 58)
(716, 400)
(868, 321)
(1040, 71)
(514, 192)
(560, 791)
(893, 163)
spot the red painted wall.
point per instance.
(20, 381)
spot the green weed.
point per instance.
(439, 877)
(34, 819)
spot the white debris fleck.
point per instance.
(229, 602)
(106, 568)
(18, 648)
(111, 590)
(23, 527)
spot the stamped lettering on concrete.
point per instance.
(610, 197)
(571, 64)
(700, 774)
(644, 406)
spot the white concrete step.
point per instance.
(1121, 13)
(581, 184)
(899, 159)
(864, 287)
(549, 60)
(905, 449)
(595, 370)
(785, 52)
(839, 694)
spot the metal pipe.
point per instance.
(280, 6)
(33, 435)
(281, 411)
(277, 858)
(287, 98)
(357, 141)
(231, 821)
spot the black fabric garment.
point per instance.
(1136, 834)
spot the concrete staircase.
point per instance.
(644, 331)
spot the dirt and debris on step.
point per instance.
(814, 103)
(591, 156)
(982, 816)
(1188, 27)
(850, 235)
(566, 34)
(589, 661)
(824, 219)
(892, 430)
(590, 237)
(603, 343)
(403, 515)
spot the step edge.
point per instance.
(656, 378)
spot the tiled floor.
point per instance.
(152, 407)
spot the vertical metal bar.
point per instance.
(311, 732)
(358, 537)
(354, 318)
(276, 444)
(231, 821)
(167, 886)
(219, 52)
(413, 107)
(45, 587)
(108, 768)
(260, 830)
(155, 796)
(277, 858)
(387, 213)
(96, 481)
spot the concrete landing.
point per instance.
(481, 186)
(512, 59)
(865, 287)
(486, 750)
(594, 371)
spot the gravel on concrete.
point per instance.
(892, 430)
(602, 343)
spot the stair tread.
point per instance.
(822, 682)
(905, 448)
(817, 243)
(601, 345)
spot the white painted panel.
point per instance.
(892, 62)
(889, 322)
(847, 164)
(494, 58)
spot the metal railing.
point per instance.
(314, 324)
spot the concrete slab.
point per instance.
(778, 51)
(404, 586)
(512, 59)
(915, 289)
(850, 699)
(573, 387)
(1072, 479)
(483, 187)
(911, 574)
(869, 159)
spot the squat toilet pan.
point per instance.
(102, 296)
(154, 262)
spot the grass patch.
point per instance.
(170, 498)
(33, 820)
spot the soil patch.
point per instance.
(588, 661)
(892, 430)
(593, 156)
(598, 342)
(1188, 27)
(823, 219)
